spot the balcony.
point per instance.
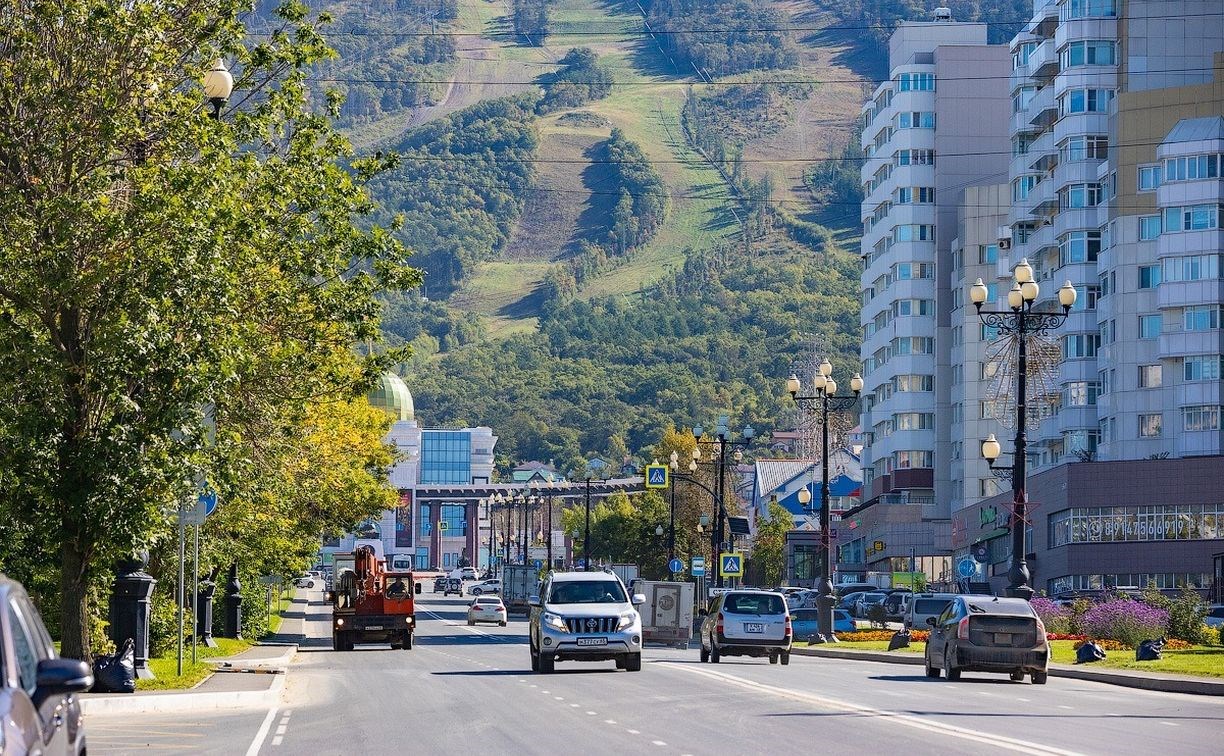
(1043, 63)
(1043, 109)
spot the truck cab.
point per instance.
(372, 605)
(584, 616)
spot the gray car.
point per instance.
(38, 711)
(747, 623)
(988, 634)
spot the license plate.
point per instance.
(1003, 639)
(754, 627)
(374, 627)
(592, 641)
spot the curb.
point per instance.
(192, 699)
(1164, 684)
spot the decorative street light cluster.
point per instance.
(823, 401)
(704, 519)
(1022, 322)
(722, 439)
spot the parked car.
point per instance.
(805, 622)
(464, 573)
(896, 604)
(439, 584)
(486, 609)
(746, 623)
(801, 599)
(843, 589)
(39, 712)
(866, 601)
(453, 585)
(485, 586)
(848, 601)
(988, 634)
(924, 606)
(305, 581)
(1215, 616)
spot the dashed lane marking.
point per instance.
(1170, 724)
(658, 742)
(633, 732)
(253, 749)
(609, 721)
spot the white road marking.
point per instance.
(278, 740)
(609, 721)
(993, 740)
(559, 698)
(633, 732)
(262, 733)
(281, 730)
(573, 706)
(1064, 706)
(658, 742)
(1025, 700)
(1170, 724)
(591, 713)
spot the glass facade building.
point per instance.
(446, 457)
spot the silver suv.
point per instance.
(585, 616)
(746, 623)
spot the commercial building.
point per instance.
(938, 126)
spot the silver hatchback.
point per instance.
(746, 623)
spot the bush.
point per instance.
(1221, 629)
(1186, 614)
(1055, 618)
(1125, 620)
(163, 625)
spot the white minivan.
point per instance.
(924, 605)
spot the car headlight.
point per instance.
(555, 621)
(626, 620)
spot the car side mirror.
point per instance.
(58, 676)
(533, 600)
(418, 588)
(930, 621)
(638, 599)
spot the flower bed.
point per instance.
(916, 636)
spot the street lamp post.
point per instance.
(586, 540)
(501, 501)
(1021, 321)
(671, 527)
(488, 504)
(548, 524)
(722, 439)
(218, 84)
(820, 404)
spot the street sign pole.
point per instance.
(195, 594)
(182, 555)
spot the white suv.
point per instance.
(464, 573)
(585, 616)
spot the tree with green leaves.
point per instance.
(164, 268)
(769, 544)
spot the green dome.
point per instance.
(391, 393)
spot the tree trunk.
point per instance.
(74, 598)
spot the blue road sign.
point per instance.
(538, 563)
(731, 564)
(656, 476)
(580, 563)
(675, 565)
(698, 567)
(966, 567)
(208, 500)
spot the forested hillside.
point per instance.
(723, 36)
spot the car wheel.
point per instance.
(952, 673)
(705, 655)
(502, 623)
(1039, 678)
(785, 656)
(1016, 675)
(476, 591)
(547, 663)
(621, 662)
(931, 672)
(713, 654)
(535, 661)
(633, 662)
(471, 622)
(773, 658)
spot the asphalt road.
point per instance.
(464, 690)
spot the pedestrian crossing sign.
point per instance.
(731, 564)
(656, 476)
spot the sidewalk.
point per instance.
(260, 683)
(1203, 686)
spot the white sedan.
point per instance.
(487, 609)
(484, 586)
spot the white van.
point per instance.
(464, 573)
(924, 605)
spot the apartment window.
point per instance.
(988, 254)
(1149, 227)
(1081, 393)
(1022, 185)
(903, 460)
(1022, 98)
(1079, 148)
(924, 119)
(1106, 427)
(1088, 9)
(914, 157)
(1150, 376)
(1191, 218)
(1201, 417)
(1081, 440)
(1086, 298)
(1192, 168)
(916, 82)
(1149, 425)
(1206, 367)
(1107, 285)
(1081, 345)
(1021, 232)
(1093, 52)
(1201, 318)
(1105, 380)
(914, 232)
(909, 307)
(1107, 332)
(915, 194)
(1021, 143)
(1079, 247)
(1022, 53)
(914, 421)
(1077, 196)
(910, 383)
(1149, 276)
(1085, 101)
(1149, 326)
(1149, 178)
(909, 271)
(1192, 268)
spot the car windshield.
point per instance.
(587, 592)
(754, 603)
(929, 606)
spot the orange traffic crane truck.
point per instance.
(371, 604)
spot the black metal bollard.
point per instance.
(233, 604)
(130, 609)
(204, 613)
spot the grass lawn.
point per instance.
(1204, 661)
(286, 599)
(165, 667)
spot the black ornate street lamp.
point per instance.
(722, 439)
(218, 84)
(819, 405)
(1022, 322)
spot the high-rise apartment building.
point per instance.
(933, 129)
